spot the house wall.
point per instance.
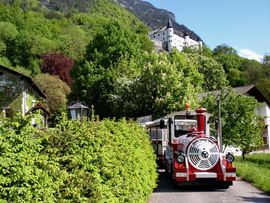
(264, 111)
(16, 94)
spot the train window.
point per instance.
(182, 127)
(170, 129)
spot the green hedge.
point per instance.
(81, 161)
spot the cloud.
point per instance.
(246, 53)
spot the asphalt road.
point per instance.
(241, 191)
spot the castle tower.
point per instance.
(186, 37)
(169, 35)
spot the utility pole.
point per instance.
(219, 130)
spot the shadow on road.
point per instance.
(263, 198)
(165, 184)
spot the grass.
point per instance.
(256, 170)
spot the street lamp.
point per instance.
(78, 111)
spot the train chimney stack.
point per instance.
(200, 120)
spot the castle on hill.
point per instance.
(166, 38)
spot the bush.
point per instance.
(25, 172)
(80, 161)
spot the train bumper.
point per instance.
(182, 176)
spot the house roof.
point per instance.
(78, 106)
(252, 90)
(37, 107)
(249, 90)
(24, 77)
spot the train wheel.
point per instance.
(224, 186)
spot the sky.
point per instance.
(241, 24)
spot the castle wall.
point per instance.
(175, 41)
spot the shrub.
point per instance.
(78, 161)
(25, 172)
(105, 160)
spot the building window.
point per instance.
(9, 91)
(158, 34)
(8, 112)
(154, 36)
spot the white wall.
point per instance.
(161, 36)
(264, 110)
(177, 41)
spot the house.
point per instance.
(167, 38)
(263, 110)
(18, 93)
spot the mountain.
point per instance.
(146, 12)
(155, 17)
(66, 5)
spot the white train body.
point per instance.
(189, 154)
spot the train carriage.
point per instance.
(189, 154)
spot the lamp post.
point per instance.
(78, 111)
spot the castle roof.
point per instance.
(169, 25)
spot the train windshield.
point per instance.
(182, 127)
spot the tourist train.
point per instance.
(183, 145)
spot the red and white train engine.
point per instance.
(189, 154)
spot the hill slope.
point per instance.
(153, 16)
(146, 12)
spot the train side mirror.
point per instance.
(216, 124)
(162, 124)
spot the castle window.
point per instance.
(163, 33)
(154, 36)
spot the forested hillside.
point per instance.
(29, 30)
(102, 52)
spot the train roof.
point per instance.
(165, 118)
(184, 112)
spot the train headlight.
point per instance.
(181, 158)
(229, 158)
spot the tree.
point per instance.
(113, 54)
(232, 65)
(266, 66)
(253, 71)
(114, 42)
(212, 71)
(204, 50)
(165, 84)
(241, 126)
(56, 91)
(224, 49)
(266, 60)
(264, 85)
(58, 64)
